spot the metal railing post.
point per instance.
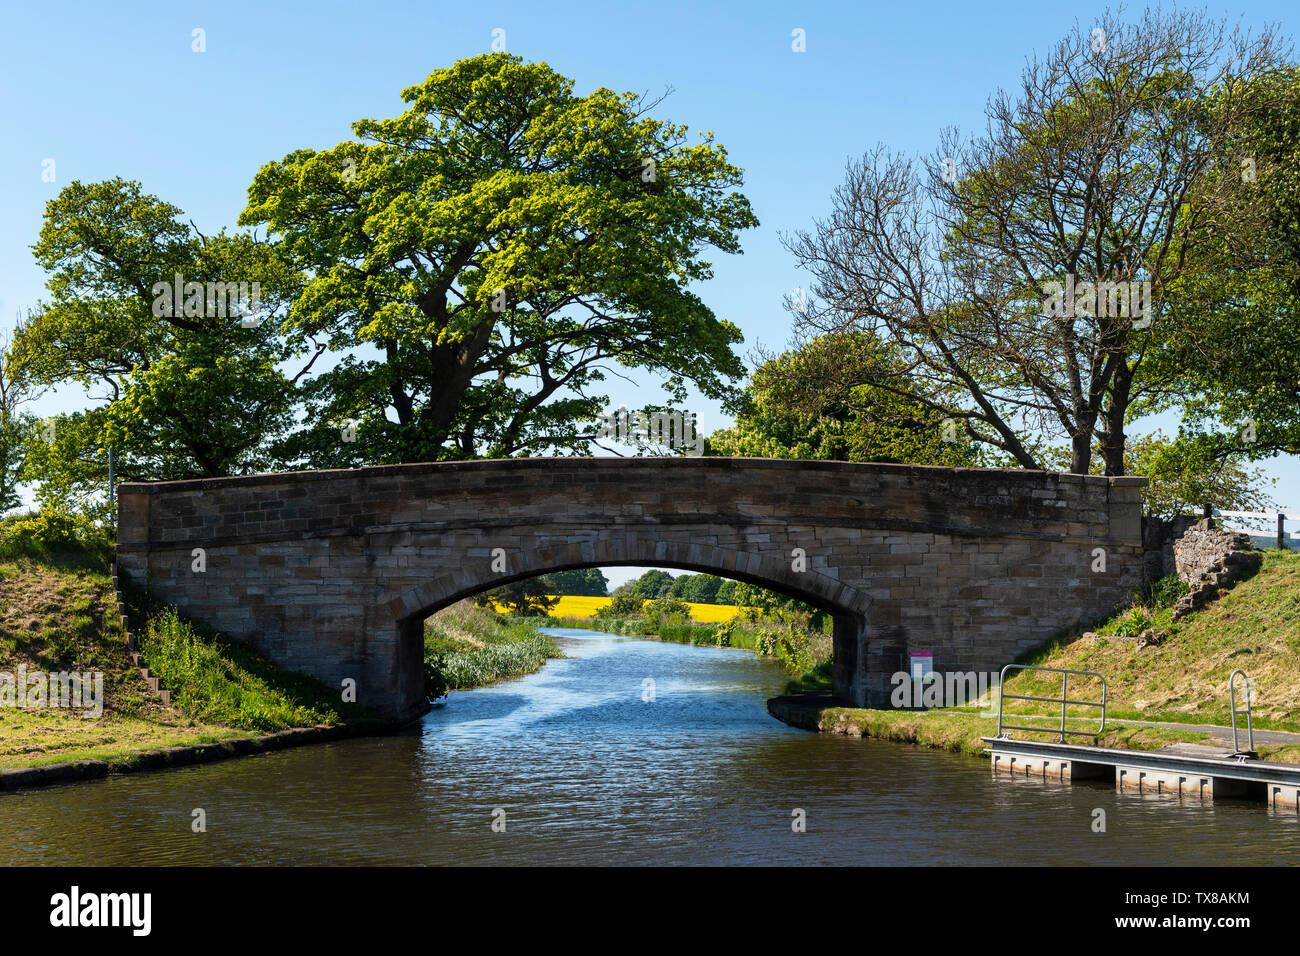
(1232, 703)
(1065, 679)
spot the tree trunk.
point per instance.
(1081, 454)
(1112, 440)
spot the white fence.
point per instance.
(1281, 517)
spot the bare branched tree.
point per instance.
(1105, 171)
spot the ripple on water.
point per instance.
(589, 772)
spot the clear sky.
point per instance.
(116, 90)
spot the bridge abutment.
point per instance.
(850, 677)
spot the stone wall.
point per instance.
(1158, 537)
(1208, 558)
(333, 572)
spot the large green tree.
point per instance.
(696, 588)
(186, 386)
(485, 257)
(583, 582)
(526, 598)
(16, 391)
(1234, 369)
(1191, 471)
(841, 396)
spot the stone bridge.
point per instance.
(333, 572)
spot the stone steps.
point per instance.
(163, 695)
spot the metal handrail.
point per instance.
(1250, 729)
(1063, 700)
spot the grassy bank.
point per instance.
(1178, 675)
(466, 646)
(58, 613)
(799, 651)
(1183, 678)
(944, 729)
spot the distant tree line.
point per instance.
(538, 595)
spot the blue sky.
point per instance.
(115, 90)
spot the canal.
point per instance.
(627, 752)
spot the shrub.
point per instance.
(726, 631)
(622, 606)
(52, 531)
(1167, 591)
(667, 610)
(1134, 622)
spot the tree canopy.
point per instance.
(841, 396)
(1111, 175)
(192, 387)
(485, 257)
(466, 273)
(583, 582)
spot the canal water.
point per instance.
(628, 752)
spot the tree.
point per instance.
(526, 598)
(16, 390)
(584, 582)
(696, 588)
(623, 604)
(486, 256)
(190, 382)
(1188, 472)
(726, 593)
(822, 400)
(64, 458)
(1096, 175)
(775, 606)
(1237, 364)
(653, 584)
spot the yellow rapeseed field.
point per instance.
(571, 606)
(588, 606)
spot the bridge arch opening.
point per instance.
(846, 608)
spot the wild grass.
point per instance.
(466, 646)
(57, 613)
(1254, 625)
(216, 680)
(962, 733)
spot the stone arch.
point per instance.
(847, 605)
(813, 585)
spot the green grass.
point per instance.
(961, 733)
(35, 738)
(216, 680)
(466, 646)
(57, 613)
(1254, 625)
